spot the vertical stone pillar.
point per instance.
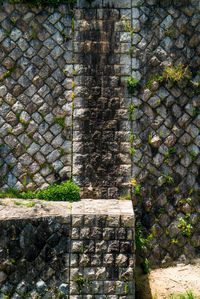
(101, 163)
(102, 250)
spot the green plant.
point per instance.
(33, 34)
(131, 51)
(60, 121)
(73, 24)
(176, 189)
(185, 227)
(60, 295)
(150, 138)
(14, 20)
(174, 241)
(10, 193)
(8, 73)
(131, 110)
(62, 151)
(139, 3)
(65, 35)
(166, 157)
(132, 137)
(66, 191)
(132, 83)
(126, 288)
(132, 150)
(140, 241)
(137, 189)
(126, 197)
(127, 26)
(150, 236)
(145, 266)
(153, 78)
(24, 123)
(175, 73)
(168, 179)
(9, 130)
(81, 281)
(169, 33)
(193, 155)
(188, 295)
(7, 32)
(172, 150)
(30, 204)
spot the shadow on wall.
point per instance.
(142, 286)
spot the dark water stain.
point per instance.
(100, 165)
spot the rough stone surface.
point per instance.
(65, 110)
(34, 88)
(167, 170)
(42, 256)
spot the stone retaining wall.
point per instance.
(165, 129)
(81, 253)
(65, 110)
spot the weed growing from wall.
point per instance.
(8, 73)
(185, 226)
(66, 191)
(132, 83)
(175, 73)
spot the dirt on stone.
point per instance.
(163, 283)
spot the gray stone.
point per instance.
(41, 286)
(24, 117)
(3, 277)
(173, 229)
(53, 156)
(3, 91)
(192, 130)
(5, 129)
(158, 159)
(33, 149)
(64, 288)
(155, 141)
(167, 44)
(22, 288)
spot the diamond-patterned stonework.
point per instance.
(168, 170)
(65, 109)
(35, 111)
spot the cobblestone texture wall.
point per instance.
(165, 129)
(66, 112)
(78, 255)
(35, 95)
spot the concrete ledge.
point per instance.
(74, 250)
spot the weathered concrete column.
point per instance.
(79, 250)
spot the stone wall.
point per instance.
(101, 159)
(66, 112)
(165, 129)
(35, 95)
(63, 97)
(80, 253)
